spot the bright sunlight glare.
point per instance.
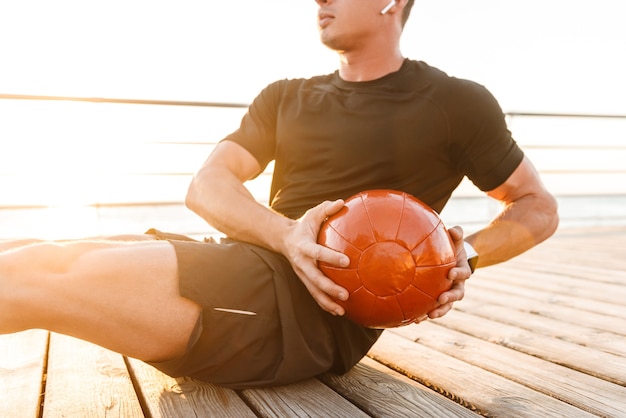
(561, 56)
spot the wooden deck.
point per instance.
(543, 335)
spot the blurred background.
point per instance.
(108, 107)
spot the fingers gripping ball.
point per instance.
(400, 254)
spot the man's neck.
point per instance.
(366, 67)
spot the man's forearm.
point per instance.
(230, 208)
(520, 226)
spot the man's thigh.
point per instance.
(123, 295)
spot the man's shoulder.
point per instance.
(423, 72)
(444, 89)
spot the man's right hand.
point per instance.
(303, 252)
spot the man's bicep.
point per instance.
(522, 182)
(235, 158)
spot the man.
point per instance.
(255, 310)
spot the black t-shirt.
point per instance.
(417, 130)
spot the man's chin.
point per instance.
(331, 42)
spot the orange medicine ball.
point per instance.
(400, 254)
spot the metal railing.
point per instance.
(512, 116)
(122, 101)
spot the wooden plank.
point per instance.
(22, 368)
(587, 253)
(309, 398)
(87, 381)
(573, 243)
(583, 391)
(574, 333)
(594, 254)
(164, 396)
(561, 294)
(471, 386)
(561, 308)
(597, 266)
(559, 283)
(572, 247)
(593, 362)
(382, 392)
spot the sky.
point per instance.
(555, 56)
(534, 55)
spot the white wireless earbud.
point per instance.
(388, 7)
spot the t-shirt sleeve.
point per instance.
(481, 143)
(257, 130)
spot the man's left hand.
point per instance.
(458, 274)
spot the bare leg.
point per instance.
(11, 244)
(16, 243)
(121, 295)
